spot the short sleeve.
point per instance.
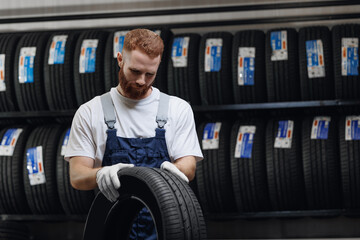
(81, 142)
(186, 141)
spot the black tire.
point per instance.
(346, 87)
(12, 197)
(43, 198)
(284, 170)
(73, 201)
(250, 93)
(174, 207)
(31, 96)
(161, 81)
(214, 174)
(282, 76)
(59, 78)
(317, 88)
(8, 43)
(184, 81)
(90, 84)
(321, 167)
(249, 174)
(14, 231)
(215, 87)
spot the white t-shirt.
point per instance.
(134, 119)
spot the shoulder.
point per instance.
(89, 108)
(179, 105)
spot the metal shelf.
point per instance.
(43, 218)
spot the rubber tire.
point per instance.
(184, 81)
(58, 78)
(215, 87)
(171, 201)
(249, 174)
(257, 92)
(346, 87)
(321, 88)
(282, 77)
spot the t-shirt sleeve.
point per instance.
(81, 142)
(186, 141)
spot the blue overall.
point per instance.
(145, 152)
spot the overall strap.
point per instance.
(162, 114)
(108, 109)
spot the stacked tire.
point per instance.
(14, 231)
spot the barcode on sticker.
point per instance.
(352, 128)
(285, 134)
(88, 56)
(349, 56)
(315, 58)
(320, 128)
(244, 141)
(179, 52)
(118, 42)
(26, 64)
(278, 41)
(211, 136)
(246, 66)
(65, 142)
(57, 50)
(8, 142)
(35, 165)
(2, 73)
(213, 50)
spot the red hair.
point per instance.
(145, 40)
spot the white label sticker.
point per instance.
(211, 136)
(213, 51)
(349, 56)
(88, 56)
(35, 165)
(57, 50)
(244, 141)
(285, 133)
(118, 42)
(65, 142)
(2, 73)
(315, 58)
(26, 64)
(352, 128)
(158, 32)
(9, 140)
(278, 41)
(320, 128)
(246, 66)
(179, 53)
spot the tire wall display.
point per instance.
(10, 230)
(349, 156)
(12, 197)
(284, 164)
(215, 68)
(321, 162)
(248, 166)
(28, 72)
(173, 206)
(73, 201)
(248, 67)
(316, 63)
(58, 71)
(345, 40)
(89, 65)
(8, 43)
(40, 170)
(282, 65)
(183, 67)
(213, 174)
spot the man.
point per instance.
(142, 127)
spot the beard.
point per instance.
(131, 89)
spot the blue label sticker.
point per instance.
(323, 129)
(315, 58)
(355, 130)
(249, 69)
(312, 53)
(90, 57)
(32, 161)
(246, 147)
(177, 49)
(216, 58)
(276, 40)
(29, 69)
(59, 54)
(209, 131)
(66, 138)
(8, 136)
(353, 61)
(282, 130)
(213, 53)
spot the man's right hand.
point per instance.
(108, 180)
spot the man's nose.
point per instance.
(141, 80)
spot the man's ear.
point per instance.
(119, 59)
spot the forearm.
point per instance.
(82, 174)
(187, 165)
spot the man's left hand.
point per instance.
(168, 166)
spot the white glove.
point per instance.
(174, 170)
(108, 180)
